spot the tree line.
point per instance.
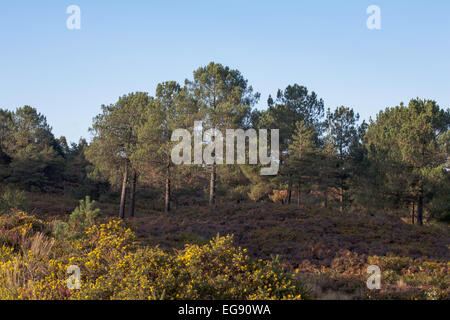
(397, 162)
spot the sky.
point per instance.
(128, 46)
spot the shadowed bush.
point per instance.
(11, 198)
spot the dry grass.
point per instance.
(39, 245)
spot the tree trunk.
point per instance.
(298, 194)
(325, 192)
(413, 212)
(420, 208)
(133, 194)
(212, 186)
(341, 196)
(167, 198)
(289, 191)
(124, 194)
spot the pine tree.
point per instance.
(34, 155)
(303, 157)
(115, 141)
(171, 109)
(225, 100)
(292, 105)
(342, 132)
(410, 144)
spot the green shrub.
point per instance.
(11, 198)
(259, 191)
(84, 215)
(79, 220)
(239, 193)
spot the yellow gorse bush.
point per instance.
(114, 266)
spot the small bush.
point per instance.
(259, 191)
(278, 195)
(239, 193)
(11, 198)
(82, 217)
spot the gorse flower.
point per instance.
(114, 266)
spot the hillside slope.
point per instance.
(332, 251)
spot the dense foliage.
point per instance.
(397, 163)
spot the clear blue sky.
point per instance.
(126, 46)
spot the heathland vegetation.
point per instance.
(348, 194)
